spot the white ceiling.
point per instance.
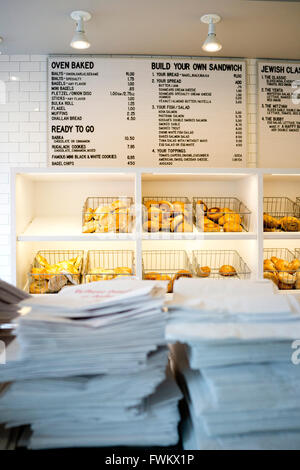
(160, 27)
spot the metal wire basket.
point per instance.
(105, 265)
(215, 260)
(48, 280)
(298, 207)
(108, 214)
(278, 208)
(297, 253)
(232, 203)
(171, 220)
(283, 267)
(166, 265)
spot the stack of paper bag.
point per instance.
(240, 383)
(88, 368)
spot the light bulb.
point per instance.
(80, 41)
(211, 44)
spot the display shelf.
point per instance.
(47, 205)
(282, 235)
(196, 235)
(65, 229)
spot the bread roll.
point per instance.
(214, 213)
(203, 271)
(290, 224)
(294, 266)
(286, 279)
(271, 222)
(38, 287)
(272, 276)
(227, 270)
(232, 227)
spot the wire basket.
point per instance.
(282, 268)
(237, 220)
(62, 267)
(166, 265)
(277, 208)
(297, 253)
(159, 218)
(108, 214)
(215, 260)
(298, 207)
(107, 265)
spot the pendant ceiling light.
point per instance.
(211, 44)
(80, 40)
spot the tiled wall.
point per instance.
(23, 128)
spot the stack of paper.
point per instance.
(10, 297)
(241, 385)
(89, 368)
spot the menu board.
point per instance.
(278, 114)
(146, 112)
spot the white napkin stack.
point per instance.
(88, 368)
(240, 384)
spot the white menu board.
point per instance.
(278, 114)
(146, 112)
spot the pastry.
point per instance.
(281, 265)
(184, 227)
(297, 284)
(151, 226)
(294, 265)
(182, 273)
(214, 213)
(227, 270)
(202, 205)
(89, 227)
(100, 211)
(89, 214)
(100, 274)
(274, 259)
(286, 281)
(165, 225)
(232, 227)
(123, 270)
(269, 266)
(271, 222)
(232, 219)
(203, 271)
(272, 276)
(41, 260)
(38, 287)
(176, 221)
(151, 203)
(165, 206)
(290, 224)
(178, 206)
(119, 204)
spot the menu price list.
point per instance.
(279, 113)
(146, 112)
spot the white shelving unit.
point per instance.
(47, 204)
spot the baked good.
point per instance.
(290, 224)
(214, 213)
(38, 287)
(89, 214)
(119, 204)
(282, 265)
(165, 224)
(232, 227)
(184, 227)
(227, 270)
(203, 271)
(151, 226)
(89, 227)
(182, 273)
(286, 281)
(274, 259)
(151, 203)
(294, 265)
(178, 206)
(123, 270)
(270, 222)
(269, 266)
(202, 205)
(297, 284)
(165, 206)
(100, 211)
(232, 219)
(272, 276)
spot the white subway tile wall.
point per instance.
(23, 130)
